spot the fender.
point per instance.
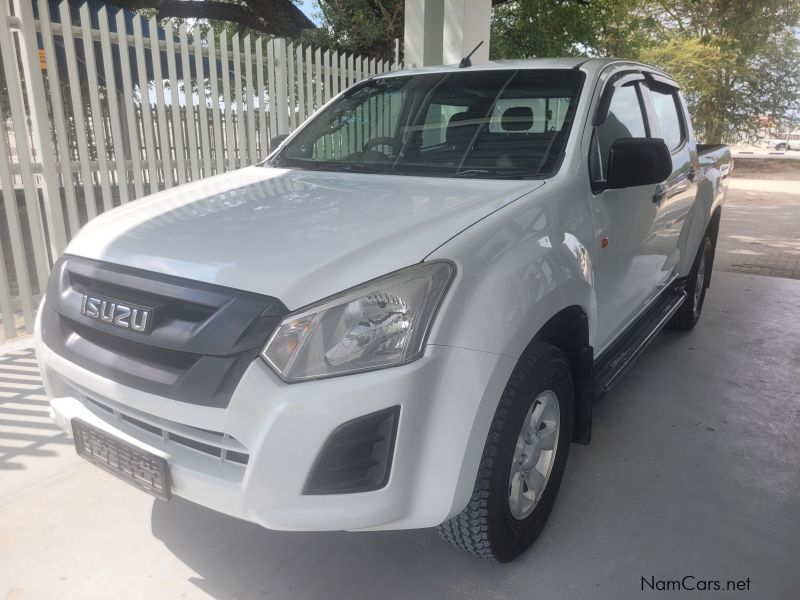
(525, 269)
(516, 269)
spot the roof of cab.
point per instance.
(589, 65)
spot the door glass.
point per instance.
(624, 120)
(669, 123)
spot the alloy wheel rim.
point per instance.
(534, 455)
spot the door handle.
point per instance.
(659, 194)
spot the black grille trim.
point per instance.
(203, 338)
(357, 456)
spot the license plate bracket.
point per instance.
(142, 469)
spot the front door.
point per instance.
(630, 252)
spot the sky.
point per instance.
(309, 7)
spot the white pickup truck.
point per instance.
(403, 317)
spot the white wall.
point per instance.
(466, 24)
(444, 31)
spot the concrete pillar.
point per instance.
(422, 43)
(466, 24)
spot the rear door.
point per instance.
(630, 253)
(677, 194)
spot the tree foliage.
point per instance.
(366, 27)
(528, 28)
(736, 60)
(694, 63)
(276, 17)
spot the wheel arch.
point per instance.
(568, 330)
(713, 232)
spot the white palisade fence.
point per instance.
(100, 109)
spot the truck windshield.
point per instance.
(493, 124)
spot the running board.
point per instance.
(608, 369)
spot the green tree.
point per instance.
(530, 28)
(365, 27)
(694, 63)
(736, 60)
(276, 17)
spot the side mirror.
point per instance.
(637, 161)
(276, 141)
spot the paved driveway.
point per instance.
(760, 229)
(694, 470)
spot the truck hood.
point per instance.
(296, 235)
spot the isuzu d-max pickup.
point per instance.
(403, 316)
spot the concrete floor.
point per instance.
(694, 470)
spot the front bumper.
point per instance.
(446, 399)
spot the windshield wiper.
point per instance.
(333, 166)
(497, 173)
(346, 167)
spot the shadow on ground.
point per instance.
(25, 427)
(237, 559)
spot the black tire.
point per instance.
(486, 528)
(781, 146)
(689, 312)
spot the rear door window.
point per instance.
(670, 124)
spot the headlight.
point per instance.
(383, 323)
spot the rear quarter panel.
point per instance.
(715, 169)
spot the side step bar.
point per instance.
(615, 361)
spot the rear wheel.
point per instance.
(523, 460)
(696, 284)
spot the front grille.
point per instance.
(202, 338)
(212, 444)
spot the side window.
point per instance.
(669, 122)
(624, 120)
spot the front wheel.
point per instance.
(523, 460)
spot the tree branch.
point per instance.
(277, 17)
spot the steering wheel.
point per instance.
(383, 141)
